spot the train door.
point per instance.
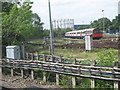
(81, 34)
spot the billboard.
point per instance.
(82, 26)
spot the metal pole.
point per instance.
(73, 24)
(51, 31)
(118, 15)
(103, 21)
(1, 31)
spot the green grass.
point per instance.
(104, 56)
(110, 35)
(61, 40)
(38, 41)
(77, 53)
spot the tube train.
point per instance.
(95, 32)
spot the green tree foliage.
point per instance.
(57, 33)
(109, 25)
(18, 24)
(6, 7)
(46, 33)
(99, 23)
(106, 58)
(37, 26)
(15, 22)
(115, 23)
(61, 32)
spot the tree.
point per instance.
(36, 22)
(8, 4)
(61, 32)
(22, 24)
(99, 23)
(38, 26)
(115, 23)
(16, 25)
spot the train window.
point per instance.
(97, 31)
(84, 32)
(78, 32)
(100, 31)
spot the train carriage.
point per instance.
(96, 33)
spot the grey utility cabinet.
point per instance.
(13, 52)
(88, 42)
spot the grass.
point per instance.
(61, 40)
(67, 40)
(103, 55)
(109, 35)
(77, 53)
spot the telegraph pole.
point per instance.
(51, 30)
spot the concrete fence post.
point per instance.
(57, 79)
(92, 83)
(116, 86)
(60, 59)
(27, 56)
(32, 56)
(73, 81)
(22, 73)
(44, 58)
(12, 72)
(116, 83)
(32, 74)
(74, 77)
(92, 79)
(52, 58)
(44, 76)
(22, 51)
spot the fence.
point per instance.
(60, 65)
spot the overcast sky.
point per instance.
(82, 11)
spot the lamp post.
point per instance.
(103, 21)
(51, 30)
(118, 16)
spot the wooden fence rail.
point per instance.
(61, 65)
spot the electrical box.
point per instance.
(13, 52)
(88, 42)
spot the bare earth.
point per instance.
(19, 82)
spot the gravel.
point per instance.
(19, 82)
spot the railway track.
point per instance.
(105, 42)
